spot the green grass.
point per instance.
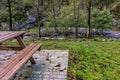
(89, 59)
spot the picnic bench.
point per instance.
(15, 63)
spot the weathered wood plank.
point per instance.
(10, 48)
(6, 35)
(5, 68)
(18, 65)
(20, 41)
(9, 69)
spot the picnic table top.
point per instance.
(6, 35)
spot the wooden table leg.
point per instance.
(22, 44)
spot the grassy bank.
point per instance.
(88, 59)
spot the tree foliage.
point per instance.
(60, 13)
(101, 19)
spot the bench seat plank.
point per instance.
(10, 68)
(14, 60)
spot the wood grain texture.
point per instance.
(9, 48)
(6, 35)
(10, 68)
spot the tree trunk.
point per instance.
(38, 18)
(75, 19)
(78, 18)
(89, 19)
(54, 16)
(82, 4)
(67, 2)
(102, 31)
(10, 14)
(39, 13)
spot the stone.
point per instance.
(54, 69)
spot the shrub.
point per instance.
(101, 19)
(3, 16)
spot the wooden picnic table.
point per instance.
(7, 35)
(11, 66)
